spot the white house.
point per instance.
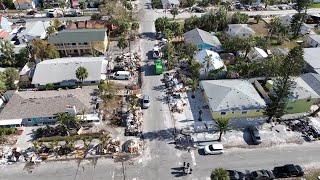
(240, 30)
(314, 40)
(257, 54)
(35, 30)
(216, 61)
(169, 4)
(62, 71)
(24, 4)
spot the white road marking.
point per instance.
(193, 158)
(113, 175)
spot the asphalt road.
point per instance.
(160, 160)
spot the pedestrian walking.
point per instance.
(184, 164)
(188, 165)
(190, 171)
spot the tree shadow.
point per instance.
(161, 135)
(148, 36)
(246, 137)
(178, 172)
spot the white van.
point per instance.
(156, 53)
(122, 75)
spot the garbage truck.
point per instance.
(158, 65)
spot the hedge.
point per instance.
(7, 131)
(75, 138)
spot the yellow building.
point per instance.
(80, 41)
(233, 98)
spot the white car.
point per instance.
(146, 102)
(213, 149)
(156, 53)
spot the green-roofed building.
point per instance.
(80, 41)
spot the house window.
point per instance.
(223, 113)
(289, 108)
(244, 112)
(78, 82)
(29, 120)
(308, 100)
(93, 82)
(50, 117)
(73, 43)
(85, 43)
(258, 110)
(56, 84)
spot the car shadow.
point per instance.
(246, 137)
(201, 152)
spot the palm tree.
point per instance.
(249, 43)
(36, 145)
(195, 67)
(220, 174)
(208, 64)
(193, 85)
(81, 73)
(51, 30)
(174, 12)
(223, 126)
(275, 24)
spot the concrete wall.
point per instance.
(238, 114)
(300, 105)
(245, 122)
(39, 120)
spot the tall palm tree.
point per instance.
(36, 145)
(208, 64)
(275, 24)
(223, 126)
(193, 85)
(220, 174)
(81, 73)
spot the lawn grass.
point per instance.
(315, 5)
(288, 44)
(313, 175)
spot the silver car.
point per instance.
(146, 102)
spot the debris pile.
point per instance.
(133, 123)
(11, 155)
(174, 88)
(113, 146)
(310, 132)
(133, 146)
(184, 142)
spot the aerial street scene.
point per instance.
(159, 89)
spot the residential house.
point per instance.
(34, 30)
(302, 96)
(5, 25)
(216, 62)
(312, 59)
(314, 40)
(232, 98)
(203, 40)
(3, 34)
(313, 80)
(41, 107)
(62, 71)
(240, 30)
(80, 41)
(169, 4)
(286, 21)
(257, 54)
(24, 4)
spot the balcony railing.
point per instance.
(59, 47)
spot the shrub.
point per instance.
(75, 138)
(7, 131)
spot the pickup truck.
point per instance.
(288, 170)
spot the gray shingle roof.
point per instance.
(198, 36)
(63, 69)
(31, 104)
(313, 80)
(78, 36)
(312, 57)
(315, 37)
(232, 95)
(241, 29)
(35, 29)
(176, 2)
(302, 90)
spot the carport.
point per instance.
(10, 123)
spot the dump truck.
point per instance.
(158, 65)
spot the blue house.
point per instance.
(5, 24)
(203, 40)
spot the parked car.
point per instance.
(198, 9)
(213, 149)
(236, 175)
(262, 175)
(288, 170)
(156, 54)
(239, 6)
(121, 75)
(145, 102)
(159, 36)
(255, 135)
(20, 21)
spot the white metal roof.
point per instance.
(10, 122)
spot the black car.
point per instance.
(20, 21)
(262, 175)
(255, 135)
(236, 175)
(288, 170)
